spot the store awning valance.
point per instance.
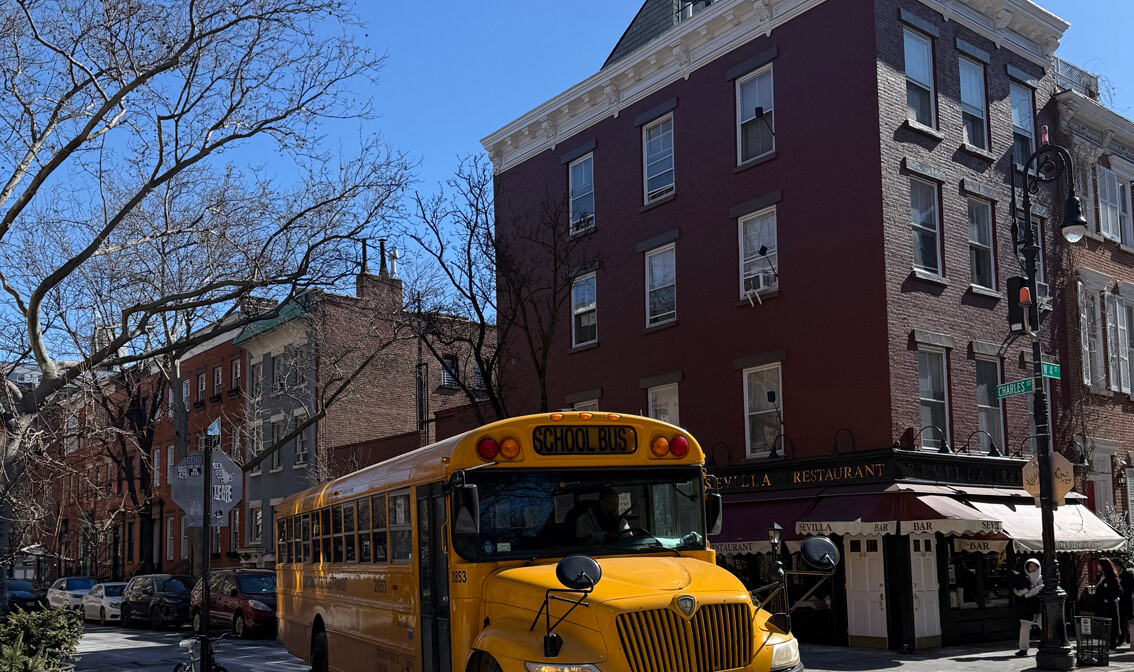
(1077, 528)
(746, 523)
(937, 513)
(895, 512)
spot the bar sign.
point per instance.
(1012, 389)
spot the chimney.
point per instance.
(382, 273)
(365, 260)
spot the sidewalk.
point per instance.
(999, 657)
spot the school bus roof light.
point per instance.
(487, 448)
(509, 448)
(556, 416)
(585, 416)
(679, 446)
(659, 446)
(613, 417)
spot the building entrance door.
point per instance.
(926, 594)
(866, 593)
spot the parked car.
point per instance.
(24, 595)
(103, 602)
(68, 592)
(241, 599)
(157, 599)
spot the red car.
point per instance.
(243, 600)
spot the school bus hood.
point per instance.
(623, 578)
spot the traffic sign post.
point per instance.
(1024, 386)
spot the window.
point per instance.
(1113, 206)
(450, 374)
(973, 107)
(762, 403)
(661, 286)
(306, 538)
(184, 537)
(256, 379)
(169, 410)
(321, 536)
(257, 528)
(989, 408)
(657, 147)
(337, 533)
(235, 441)
(981, 260)
(72, 440)
(218, 380)
(364, 531)
(758, 252)
(216, 539)
(919, 78)
(584, 322)
(582, 177)
(234, 529)
(1130, 340)
(923, 219)
(401, 531)
(755, 134)
(663, 403)
(588, 405)
(185, 393)
(1117, 338)
(1023, 124)
(478, 377)
(348, 532)
(235, 383)
(934, 398)
(200, 387)
(255, 447)
(157, 467)
(301, 444)
(279, 431)
(378, 503)
(1043, 292)
(279, 376)
(1091, 338)
(1125, 221)
(169, 465)
(169, 538)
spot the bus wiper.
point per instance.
(641, 549)
(542, 556)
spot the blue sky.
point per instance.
(458, 71)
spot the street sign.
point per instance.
(1012, 389)
(188, 485)
(1050, 370)
(1063, 476)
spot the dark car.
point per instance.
(24, 595)
(157, 599)
(243, 600)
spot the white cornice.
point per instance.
(1017, 25)
(1092, 121)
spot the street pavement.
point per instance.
(111, 649)
(999, 657)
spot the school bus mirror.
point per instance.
(714, 512)
(466, 509)
(820, 553)
(578, 572)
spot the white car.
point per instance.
(68, 592)
(103, 603)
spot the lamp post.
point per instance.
(1046, 164)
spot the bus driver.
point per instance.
(600, 522)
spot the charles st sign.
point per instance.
(189, 482)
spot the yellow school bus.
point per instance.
(559, 542)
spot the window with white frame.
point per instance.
(657, 158)
(279, 375)
(279, 431)
(255, 380)
(185, 393)
(218, 380)
(301, 444)
(661, 285)
(169, 538)
(256, 529)
(755, 133)
(990, 410)
(974, 111)
(758, 252)
(1023, 122)
(200, 387)
(169, 465)
(919, 78)
(235, 452)
(1130, 342)
(1091, 337)
(235, 374)
(934, 398)
(763, 404)
(184, 537)
(255, 446)
(663, 403)
(1114, 208)
(981, 258)
(1101, 477)
(582, 176)
(1117, 338)
(450, 374)
(586, 405)
(1043, 292)
(169, 409)
(925, 226)
(157, 467)
(584, 310)
(1125, 217)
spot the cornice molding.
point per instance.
(1017, 25)
(1091, 122)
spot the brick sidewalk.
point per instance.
(984, 658)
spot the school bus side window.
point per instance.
(348, 530)
(364, 530)
(281, 536)
(325, 526)
(401, 531)
(306, 538)
(337, 532)
(379, 522)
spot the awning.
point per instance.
(895, 512)
(848, 514)
(938, 513)
(746, 523)
(752, 546)
(1077, 528)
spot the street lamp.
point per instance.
(1046, 164)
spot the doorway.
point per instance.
(866, 593)
(433, 572)
(926, 591)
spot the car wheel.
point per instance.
(197, 626)
(126, 622)
(102, 616)
(319, 655)
(238, 628)
(156, 621)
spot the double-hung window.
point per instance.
(663, 403)
(1114, 206)
(582, 176)
(1129, 345)
(218, 380)
(657, 150)
(200, 387)
(758, 252)
(169, 538)
(169, 465)
(279, 431)
(925, 226)
(661, 285)
(981, 259)
(1091, 337)
(934, 397)
(1023, 122)
(235, 374)
(185, 393)
(756, 125)
(1117, 338)
(301, 444)
(584, 310)
(990, 410)
(919, 78)
(255, 380)
(184, 537)
(449, 371)
(157, 467)
(762, 404)
(974, 111)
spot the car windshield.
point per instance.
(113, 591)
(253, 584)
(80, 584)
(610, 512)
(174, 584)
(25, 586)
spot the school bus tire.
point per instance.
(483, 662)
(320, 661)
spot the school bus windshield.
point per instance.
(527, 514)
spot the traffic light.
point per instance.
(1021, 303)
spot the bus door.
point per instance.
(433, 568)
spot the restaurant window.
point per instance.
(978, 580)
(401, 531)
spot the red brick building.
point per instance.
(802, 214)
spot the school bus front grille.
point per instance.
(719, 637)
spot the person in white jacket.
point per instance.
(1027, 587)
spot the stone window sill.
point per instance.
(985, 291)
(276, 470)
(924, 130)
(299, 465)
(581, 348)
(977, 151)
(743, 301)
(653, 204)
(930, 277)
(662, 325)
(763, 158)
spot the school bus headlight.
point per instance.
(785, 654)
(548, 667)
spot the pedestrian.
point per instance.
(1027, 586)
(1126, 605)
(1108, 594)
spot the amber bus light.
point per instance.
(659, 446)
(509, 449)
